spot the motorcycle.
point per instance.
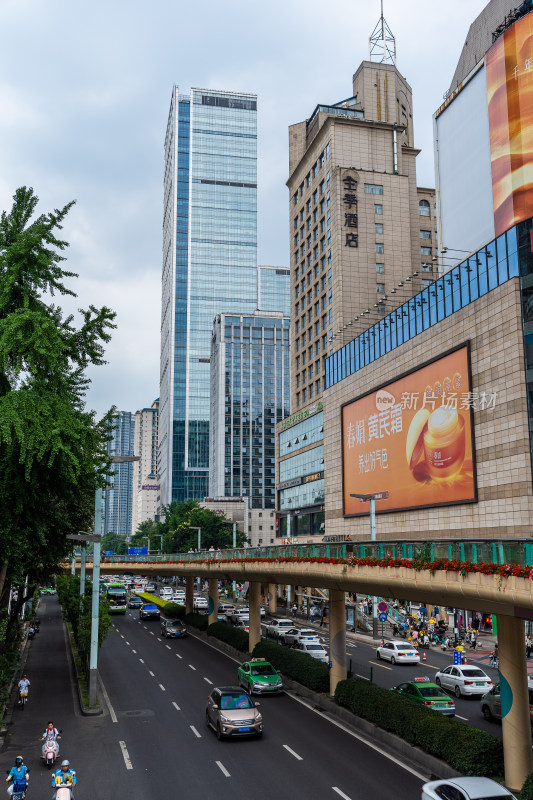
(23, 697)
(31, 632)
(64, 791)
(51, 749)
(19, 789)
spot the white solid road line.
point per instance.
(291, 751)
(223, 769)
(191, 666)
(107, 700)
(341, 794)
(176, 706)
(193, 729)
(127, 759)
(151, 673)
(358, 737)
(208, 681)
(162, 687)
(459, 717)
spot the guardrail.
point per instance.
(496, 551)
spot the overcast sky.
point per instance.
(84, 97)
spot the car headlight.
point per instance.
(259, 718)
(224, 719)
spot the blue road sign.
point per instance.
(382, 617)
(108, 552)
(457, 657)
(137, 551)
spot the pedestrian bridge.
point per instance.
(485, 575)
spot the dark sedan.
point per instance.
(149, 611)
(173, 628)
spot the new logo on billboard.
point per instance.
(412, 439)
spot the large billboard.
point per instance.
(412, 439)
(509, 68)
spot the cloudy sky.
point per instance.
(84, 97)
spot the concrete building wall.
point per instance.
(146, 447)
(493, 325)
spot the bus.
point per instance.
(116, 596)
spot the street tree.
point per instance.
(52, 449)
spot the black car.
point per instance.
(149, 611)
(173, 628)
(135, 602)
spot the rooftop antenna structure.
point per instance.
(382, 43)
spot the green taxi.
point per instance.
(428, 694)
(259, 677)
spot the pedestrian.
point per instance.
(294, 610)
(473, 640)
(528, 646)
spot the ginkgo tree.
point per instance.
(52, 449)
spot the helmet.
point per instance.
(19, 761)
(65, 763)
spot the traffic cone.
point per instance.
(424, 656)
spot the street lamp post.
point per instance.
(194, 528)
(373, 497)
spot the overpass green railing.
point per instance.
(490, 551)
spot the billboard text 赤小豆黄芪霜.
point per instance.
(509, 69)
(413, 438)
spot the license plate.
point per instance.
(481, 684)
(243, 730)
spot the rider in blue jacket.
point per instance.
(65, 775)
(19, 775)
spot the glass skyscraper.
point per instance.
(274, 289)
(209, 265)
(118, 498)
(250, 392)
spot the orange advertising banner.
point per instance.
(413, 438)
(509, 67)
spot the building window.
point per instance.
(330, 296)
(295, 198)
(297, 362)
(426, 251)
(322, 160)
(427, 268)
(426, 282)
(380, 268)
(331, 316)
(373, 188)
(380, 247)
(305, 395)
(380, 288)
(425, 234)
(298, 381)
(311, 391)
(327, 178)
(322, 187)
(327, 150)
(298, 402)
(329, 276)
(423, 208)
(378, 227)
(315, 197)
(380, 308)
(297, 326)
(315, 170)
(378, 208)
(308, 180)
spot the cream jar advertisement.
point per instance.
(412, 438)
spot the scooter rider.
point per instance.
(24, 684)
(64, 775)
(51, 733)
(19, 775)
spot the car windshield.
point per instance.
(263, 669)
(473, 673)
(232, 701)
(431, 691)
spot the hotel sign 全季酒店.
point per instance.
(413, 438)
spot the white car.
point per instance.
(277, 626)
(313, 649)
(293, 635)
(464, 679)
(166, 592)
(200, 603)
(465, 789)
(398, 652)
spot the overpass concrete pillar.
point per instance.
(337, 638)
(516, 726)
(212, 602)
(189, 592)
(254, 595)
(272, 598)
(298, 591)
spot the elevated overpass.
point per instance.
(492, 576)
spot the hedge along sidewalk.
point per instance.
(79, 677)
(390, 743)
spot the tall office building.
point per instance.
(249, 396)
(209, 265)
(145, 471)
(118, 498)
(363, 234)
(274, 289)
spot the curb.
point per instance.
(85, 710)
(434, 768)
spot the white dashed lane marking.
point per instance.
(291, 751)
(208, 681)
(198, 735)
(151, 673)
(127, 759)
(341, 794)
(223, 769)
(191, 666)
(176, 706)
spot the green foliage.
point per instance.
(298, 666)
(78, 612)
(200, 621)
(228, 633)
(527, 789)
(466, 749)
(178, 529)
(174, 611)
(52, 451)
(114, 542)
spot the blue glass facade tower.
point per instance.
(274, 289)
(209, 265)
(118, 498)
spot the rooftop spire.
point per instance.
(382, 42)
